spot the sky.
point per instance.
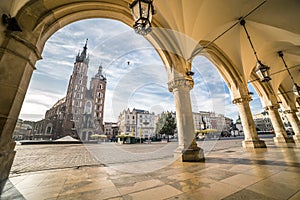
(135, 74)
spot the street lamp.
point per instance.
(296, 88)
(142, 11)
(261, 69)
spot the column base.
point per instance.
(6, 160)
(282, 140)
(189, 155)
(252, 144)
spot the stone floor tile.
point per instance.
(162, 192)
(38, 193)
(105, 193)
(247, 195)
(215, 190)
(10, 192)
(181, 176)
(241, 180)
(275, 190)
(295, 196)
(192, 184)
(216, 174)
(140, 186)
(290, 179)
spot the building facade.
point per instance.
(139, 123)
(80, 113)
(111, 130)
(263, 122)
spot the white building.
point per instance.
(209, 120)
(140, 123)
(263, 122)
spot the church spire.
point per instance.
(83, 56)
(100, 75)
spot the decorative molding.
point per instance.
(6, 50)
(181, 83)
(245, 98)
(25, 43)
(272, 107)
(288, 112)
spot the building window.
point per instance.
(88, 107)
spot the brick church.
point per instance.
(80, 113)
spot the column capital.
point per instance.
(288, 111)
(272, 107)
(245, 98)
(182, 83)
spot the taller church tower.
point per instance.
(79, 114)
(76, 92)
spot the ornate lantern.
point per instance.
(262, 72)
(142, 11)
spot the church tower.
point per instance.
(76, 93)
(98, 89)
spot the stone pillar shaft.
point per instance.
(280, 133)
(17, 59)
(187, 147)
(251, 137)
(293, 119)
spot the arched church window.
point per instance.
(88, 107)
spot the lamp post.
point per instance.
(142, 11)
(296, 88)
(261, 69)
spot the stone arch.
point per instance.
(239, 90)
(233, 78)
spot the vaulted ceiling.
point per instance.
(188, 27)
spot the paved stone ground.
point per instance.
(229, 172)
(30, 158)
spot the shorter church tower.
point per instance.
(98, 89)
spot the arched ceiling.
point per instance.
(179, 26)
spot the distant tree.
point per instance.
(166, 124)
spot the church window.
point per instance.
(100, 86)
(80, 81)
(88, 107)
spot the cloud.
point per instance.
(141, 84)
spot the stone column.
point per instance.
(17, 59)
(280, 133)
(293, 119)
(187, 150)
(251, 138)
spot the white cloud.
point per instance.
(141, 84)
